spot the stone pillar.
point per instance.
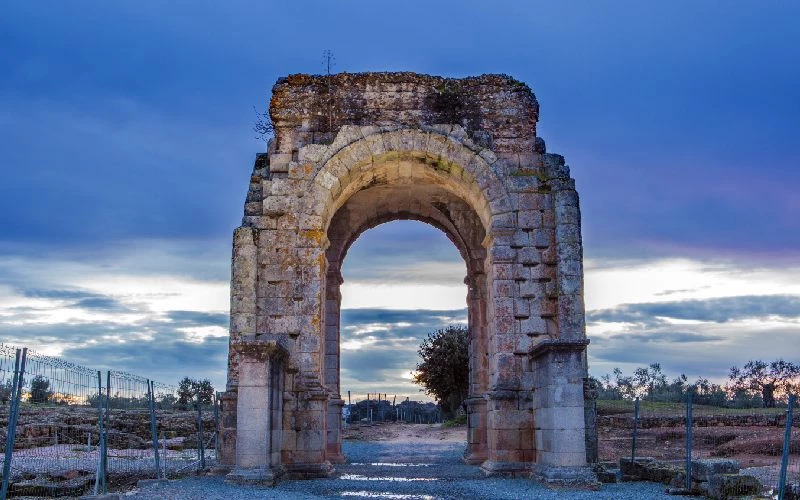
(257, 405)
(509, 416)
(305, 448)
(227, 429)
(590, 419)
(243, 294)
(477, 451)
(306, 456)
(334, 431)
(571, 325)
(333, 300)
(559, 414)
(242, 326)
(569, 247)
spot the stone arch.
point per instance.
(348, 165)
(510, 208)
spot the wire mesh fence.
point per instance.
(69, 430)
(794, 463)
(699, 448)
(55, 441)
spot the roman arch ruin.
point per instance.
(352, 151)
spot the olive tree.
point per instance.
(444, 369)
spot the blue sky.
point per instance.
(126, 145)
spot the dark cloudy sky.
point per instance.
(126, 148)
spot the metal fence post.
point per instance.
(787, 437)
(16, 394)
(106, 426)
(164, 447)
(200, 446)
(99, 474)
(689, 440)
(635, 429)
(216, 427)
(153, 426)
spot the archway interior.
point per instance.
(407, 187)
(402, 280)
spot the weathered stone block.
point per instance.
(725, 486)
(703, 469)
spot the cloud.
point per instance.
(710, 352)
(414, 318)
(81, 299)
(165, 358)
(719, 310)
(698, 337)
(379, 347)
(197, 318)
(408, 252)
(660, 337)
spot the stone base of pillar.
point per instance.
(569, 476)
(334, 437)
(309, 470)
(475, 457)
(254, 477)
(506, 469)
(221, 469)
(476, 452)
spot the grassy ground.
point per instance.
(653, 408)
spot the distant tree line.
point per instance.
(757, 384)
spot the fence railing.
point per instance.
(69, 430)
(382, 407)
(656, 442)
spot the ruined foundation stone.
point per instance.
(352, 151)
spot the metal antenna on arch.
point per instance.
(328, 60)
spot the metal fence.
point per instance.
(382, 407)
(653, 441)
(69, 430)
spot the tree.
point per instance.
(205, 391)
(606, 389)
(444, 370)
(6, 388)
(40, 390)
(167, 402)
(708, 393)
(649, 383)
(263, 127)
(777, 378)
(191, 391)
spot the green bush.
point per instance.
(457, 421)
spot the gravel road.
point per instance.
(395, 471)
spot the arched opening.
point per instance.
(402, 280)
(408, 187)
